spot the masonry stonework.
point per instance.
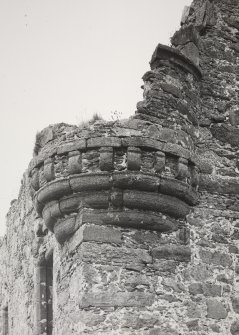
(132, 226)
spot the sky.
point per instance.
(63, 61)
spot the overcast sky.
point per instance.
(63, 60)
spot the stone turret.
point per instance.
(130, 173)
(142, 214)
(119, 183)
(141, 173)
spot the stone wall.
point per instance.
(17, 265)
(137, 218)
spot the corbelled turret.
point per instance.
(142, 214)
(130, 174)
(141, 173)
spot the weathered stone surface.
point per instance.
(103, 142)
(182, 169)
(90, 182)
(226, 134)
(156, 202)
(35, 180)
(215, 328)
(233, 22)
(94, 234)
(195, 288)
(217, 258)
(205, 166)
(178, 189)
(74, 162)
(101, 234)
(115, 299)
(109, 254)
(171, 89)
(70, 204)
(106, 159)
(143, 142)
(51, 213)
(224, 278)
(235, 46)
(163, 265)
(45, 136)
(163, 52)
(212, 290)
(193, 325)
(165, 330)
(53, 190)
(134, 219)
(185, 35)
(134, 180)
(63, 229)
(194, 311)
(176, 252)
(49, 170)
(218, 184)
(191, 51)
(95, 199)
(216, 310)
(206, 289)
(71, 146)
(173, 284)
(235, 304)
(187, 112)
(234, 117)
(234, 329)
(176, 150)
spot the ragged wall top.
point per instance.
(171, 91)
(209, 36)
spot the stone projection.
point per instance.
(132, 226)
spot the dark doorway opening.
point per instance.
(44, 297)
(5, 320)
